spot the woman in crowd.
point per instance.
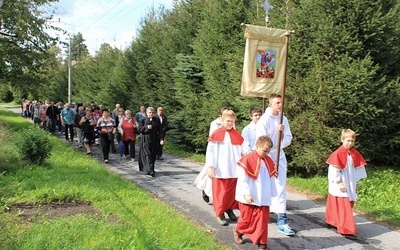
(118, 118)
(107, 128)
(127, 129)
(88, 122)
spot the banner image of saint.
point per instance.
(264, 61)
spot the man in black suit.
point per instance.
(164, 126)
(152, 135)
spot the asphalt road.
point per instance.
(173, 184)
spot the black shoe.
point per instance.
(152, 173)
(350, 236)
(330, 226)
(231, 215)
(205, 197)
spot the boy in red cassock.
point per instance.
(346, 168)
(254, 190)
(223, 152)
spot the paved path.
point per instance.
(173, 183)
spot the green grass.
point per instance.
(128, 218)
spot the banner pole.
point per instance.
(281, 134)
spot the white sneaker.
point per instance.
(285, 229)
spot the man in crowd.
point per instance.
(53, 114)
(67, 120)
(164, 126)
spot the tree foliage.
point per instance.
(338, 80)
(24, 44)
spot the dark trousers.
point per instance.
(52, 125)
(129, 148)
(71, 132)
(159, 149)
(105, 141)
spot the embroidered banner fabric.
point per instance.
(264, 61)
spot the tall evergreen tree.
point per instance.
(338, 80)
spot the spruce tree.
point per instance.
(337, 80)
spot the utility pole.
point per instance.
(69, 71)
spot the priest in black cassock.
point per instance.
(152, 133)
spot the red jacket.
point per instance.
(128, 127)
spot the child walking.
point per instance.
(254, 190)
(249, 132)
(223, 153)
(346, 168)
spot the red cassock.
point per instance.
(224, 190)
(339, 213)
(253, 220)
(339, 210)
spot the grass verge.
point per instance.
(126, 216)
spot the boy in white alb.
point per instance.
(249, 132)
(202, 181)
(223, 152)
(346, 168)
(271, 126)
(254, 190)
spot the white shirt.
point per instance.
(214, 125)
(223, 156)
(262, 189)
(268, 125)
(249, 135)
(350, 176)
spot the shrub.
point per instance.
(35, 145)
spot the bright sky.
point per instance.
(104, 21)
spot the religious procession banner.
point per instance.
(264, 64)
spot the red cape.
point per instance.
(219, 135)
(339, 157)
(251, 164)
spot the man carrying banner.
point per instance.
(271, 126)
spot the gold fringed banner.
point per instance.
(264, 61)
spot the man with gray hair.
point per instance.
(67, 120)
(114, 113)
(152, 134)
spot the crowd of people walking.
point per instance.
(96, 125)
